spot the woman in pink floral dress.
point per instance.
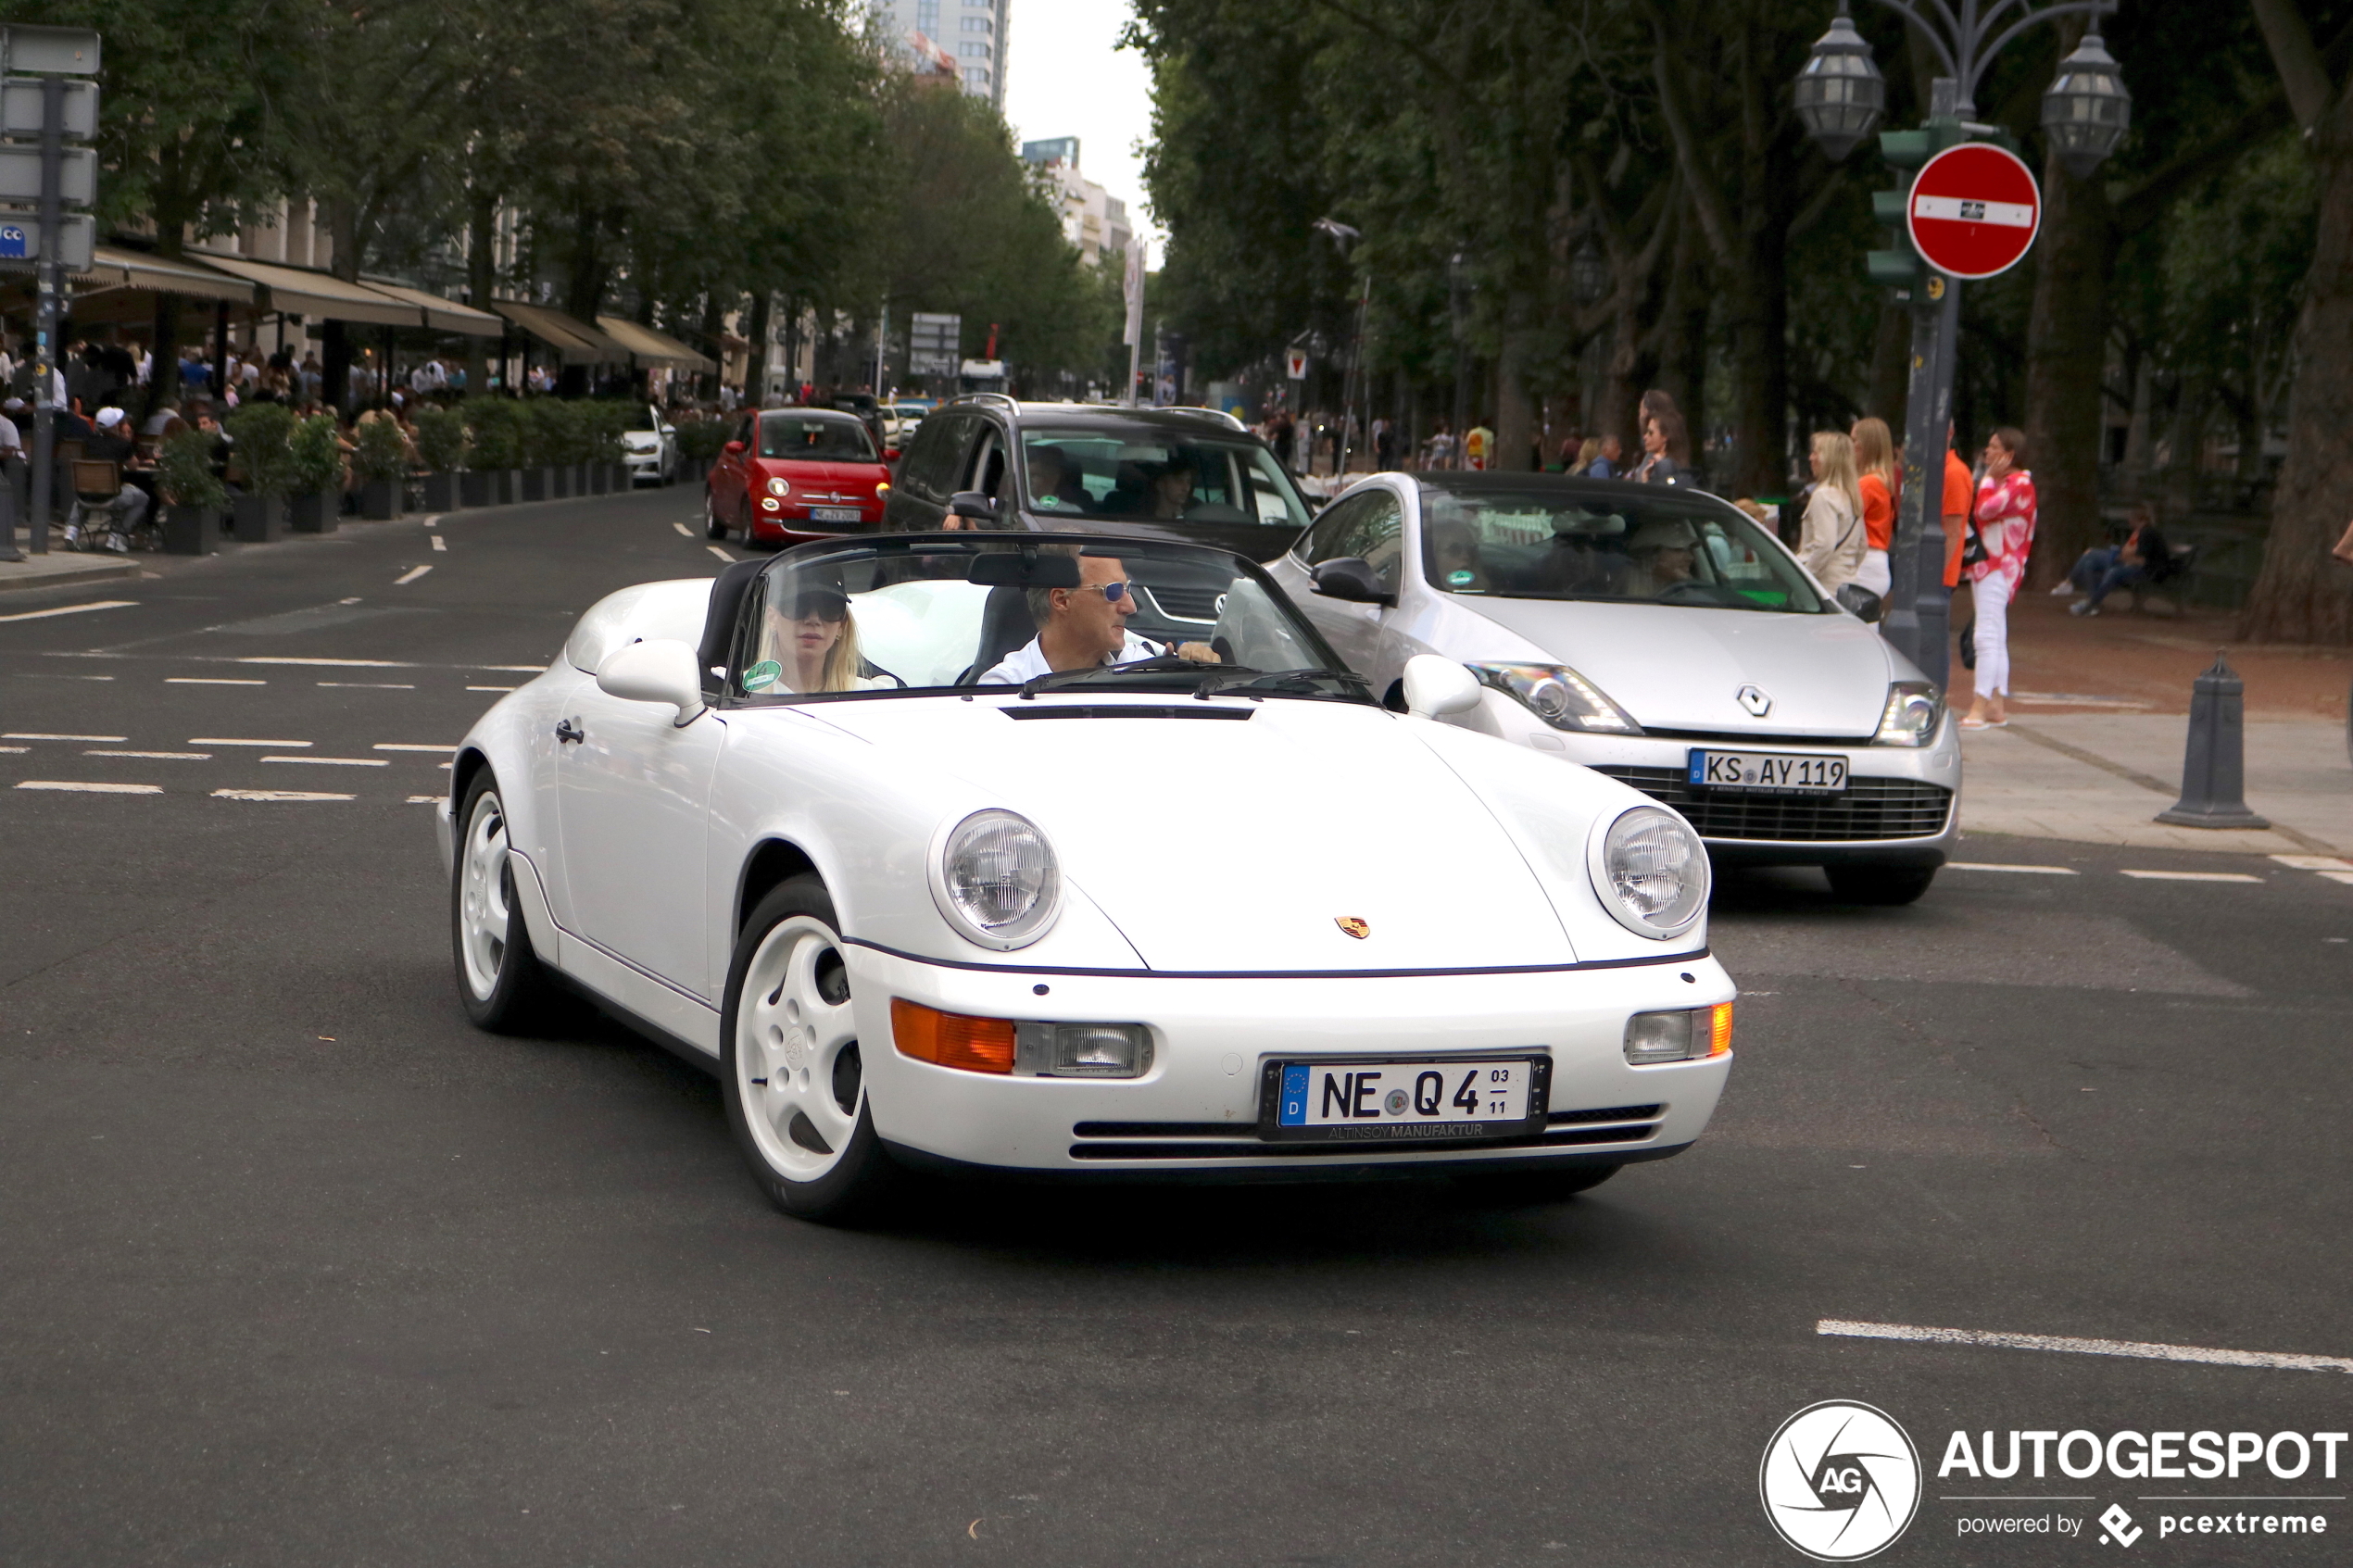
(2005, 522)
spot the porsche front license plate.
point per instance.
(832, 514)
(1405, 1101)
(1769, 770)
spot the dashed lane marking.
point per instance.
(2313, 862)
(720, 553)
(276, 795)
(2132, 1349)
(410, 576)
(684, 531)
(490, 688)
(224, 740)
(439, 543)
(424, 800)
(71, 609)
(2193, 876)
(331, 663)
(334, 761)
(368, 686)
(80, 787)
(512, 668)
(17, 751)
(36, 735)
(155, 756)
(1990, 866)
(2344, 877)
(412, 745)
(210, 681)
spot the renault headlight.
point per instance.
(1914, 708)
(1560, 697)
(996, 880)
(1651, 871)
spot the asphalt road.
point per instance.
(298, 1269)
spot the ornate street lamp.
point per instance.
(1587, 274)
(1840, 92)
(2086, 111)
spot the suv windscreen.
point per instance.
(792, 436)
(1668, 549)
(1157, 476)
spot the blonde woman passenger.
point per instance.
(1830, 540)
(1876, 483)
(811, 645)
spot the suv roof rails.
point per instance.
(1190, 409)
(1000, 398)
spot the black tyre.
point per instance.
(500, 979)
(789, 1064)
(1880, 884)
(711, 527)
(1538, 1185)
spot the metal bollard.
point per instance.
(2214, 766)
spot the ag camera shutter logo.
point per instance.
(1840, 1481)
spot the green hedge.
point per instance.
(380, 452)
(184, 473)
(315, 451)
(441, 440)
(263, 434)
(495, 426)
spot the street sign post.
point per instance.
(1974, 210)
(78, 235)
(933, 343)
(1295, 363)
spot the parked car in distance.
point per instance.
(901, 417)
(649, 446)
(1194, 474)
(1658, 635)
(790, 474)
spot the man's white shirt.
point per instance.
(1028, 661)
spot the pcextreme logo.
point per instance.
(1840, 1481)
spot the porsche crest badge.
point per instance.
(1354, 927)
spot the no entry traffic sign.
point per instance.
(1973, 210)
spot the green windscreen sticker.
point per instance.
(763, 675)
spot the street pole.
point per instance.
(1919, 604)
(49, 281)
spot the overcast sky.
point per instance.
(1067, 76)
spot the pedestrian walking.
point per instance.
(1661, 434)
(1438, 452)
(1602, 463)
(1876, 482)
(1829, 540)
(1478, 446)
(2006, 524)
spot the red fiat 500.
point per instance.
(794, 474)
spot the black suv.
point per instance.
(1156, 474)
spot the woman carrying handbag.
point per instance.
(2003, 533)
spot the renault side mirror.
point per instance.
(1351, 577)
(972, 505)
(1859, 602)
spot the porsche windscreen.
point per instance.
(797, 436)
(1665, 550)
(1153, 476)
(924, 615)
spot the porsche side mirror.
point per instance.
(661, 670)
(1859, 602)
(972, 504)
(1351, 577)
(734, 448)
(1435, 687)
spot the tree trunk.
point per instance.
(2066, 361)
(756, 376)
(2185, 446)
(1757, 296)
(482, 280)
(1515, 416)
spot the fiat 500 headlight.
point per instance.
(996, 880)
(778, 487)
(1911, 715)
(1651, 871)
(1560, 697)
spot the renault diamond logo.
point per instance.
(1354, 927)
(1754, 700)
(1840, 1481)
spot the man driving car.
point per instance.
(1083, 626)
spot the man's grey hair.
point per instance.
(1041, 604)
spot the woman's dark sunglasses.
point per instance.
(821, 607)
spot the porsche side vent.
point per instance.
(1868, 810)
(1127, 711)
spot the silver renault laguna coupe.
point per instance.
(1656, 635)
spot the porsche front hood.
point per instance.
(1253, 845)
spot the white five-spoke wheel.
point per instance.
(500, 978)
(792, 1075)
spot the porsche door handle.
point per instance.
(568, 730)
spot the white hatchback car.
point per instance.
(1207, 912)
(1658, 635)
(649, 446)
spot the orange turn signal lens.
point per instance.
(1719, 1029)
(950, 1039)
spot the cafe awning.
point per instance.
(300, 291)
(111, 268)
(443, 315)
(651, 350)
(574, 341)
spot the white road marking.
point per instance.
(44, 675)
(208, 681)
(334, 761)
(36, 735)
(2313, 862)
(490, 688)
(224, 740)
(439, 543)
(71, 609)
(347, 601)
(423, 800)
(2193, 876)
(720, 553)
(334, 663)
(431, 520)
(275, 795)
(411, 575)
(2344, 877)
(368, 686)
(684, 531)
(80, 788)
(411, 745)
(2132, 1349)
(155, 756)
(1988, 866)
(512, 668)
(18, 750)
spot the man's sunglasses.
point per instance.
(1115, 592)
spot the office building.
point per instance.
(966, 37)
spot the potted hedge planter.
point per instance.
(476, 488)
(256, 519)
(380, 462)
(493, 446)
(441, 445)
(193, 494)
(537, 483)
(315, 513)
(315, 447)
(263, 433)
(441, 491)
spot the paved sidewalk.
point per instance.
(61, 569)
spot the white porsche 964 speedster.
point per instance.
(1081, 856)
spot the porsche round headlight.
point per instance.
(998, 883)
(778, 487)
(1651, 871)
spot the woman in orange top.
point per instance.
(1875, 464)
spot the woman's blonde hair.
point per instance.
(843, 661)
(1875, 449)
(1589, 451)
(1837, 451)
